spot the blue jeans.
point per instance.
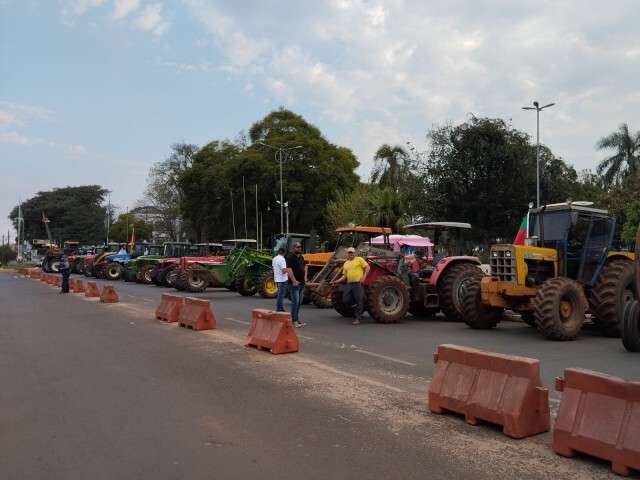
(282, 288)
(296, 300)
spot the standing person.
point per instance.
(297, 273)
(279, 265)
(64, 269)
(354, 270)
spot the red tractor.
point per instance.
(417, 283)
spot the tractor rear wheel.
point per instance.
(630, 328)
(476, 314)
(614, 289)
(339, 305)
(387, 299)
(559, 309)
(145, 274)
(450, 288)
(267, 286)
(190, 281)
(246, 287)
(112, 271)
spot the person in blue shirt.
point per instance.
(64, 269)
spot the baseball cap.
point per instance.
(351, 249)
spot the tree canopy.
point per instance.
(74, 213)
(626, 159)
(231, 186)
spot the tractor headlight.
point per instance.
(507, 254)
(494, 254)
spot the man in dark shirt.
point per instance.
(297, 269)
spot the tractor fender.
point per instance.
(444, 264)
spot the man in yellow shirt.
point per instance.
(354, 270)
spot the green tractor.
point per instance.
(242, 269)
(139, 269)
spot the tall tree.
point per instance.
(625, 161)
(391, 167)
(227, 179)
(484, 173)
(74, 213)
(163, 190)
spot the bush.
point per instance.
(7, 254)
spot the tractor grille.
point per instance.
(503, 265)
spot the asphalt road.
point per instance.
(91, 390)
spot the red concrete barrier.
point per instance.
(92, 290)
(72, 283)
(79, 287)
(169, 308)
(50, 279)
(197, 314)
(599, 415)
(501, 389)
(109, 294)
(272, 331)
(57, 281)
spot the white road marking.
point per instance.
(391, 359)
(238, 321)
(147, 300)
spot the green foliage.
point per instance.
(484, 173)
(622, 201)
(127, 224)
(7, 254)
(75, 213)
(625, 161)
(227, 180)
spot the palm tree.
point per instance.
(391, 167)
(625, 161)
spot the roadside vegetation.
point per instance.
(481, 171)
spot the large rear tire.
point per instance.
(559, 309)
(191, 282)
(145, 274)
(54, 265)
(630, 328)
(112, 271)
(476, 314)
(387, 299)
(614, 289)
(450, 287)
(267, 286)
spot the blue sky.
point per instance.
(96, 91)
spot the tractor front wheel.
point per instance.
(339, 305)
(145, 274)
(476, 314)
(387, 299)
(267, 286)
(246, 287)
(112, 271)
(191, 282)
(559, 309)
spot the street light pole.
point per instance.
(538, 108)
(281, 157)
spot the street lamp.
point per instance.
(281, 157)
(538, 108)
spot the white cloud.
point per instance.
(122, 8)
(151, 20)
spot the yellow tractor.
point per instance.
(565, 268)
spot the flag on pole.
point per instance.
(133, 237)
(522, 232)
(45, 219)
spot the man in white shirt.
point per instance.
(280, 276)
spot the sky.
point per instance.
(97, 91)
